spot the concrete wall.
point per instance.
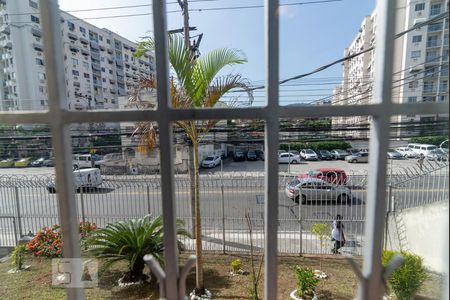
(422, 231)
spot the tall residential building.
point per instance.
(99, 64)
(420, 65)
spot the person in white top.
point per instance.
(337, 233)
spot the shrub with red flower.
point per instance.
(47, 242)
(86, 228)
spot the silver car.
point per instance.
(393, 154)
(358, 157)
(316, 190)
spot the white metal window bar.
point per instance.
(59, 118)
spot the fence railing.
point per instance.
(26, 205)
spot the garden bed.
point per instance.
(341, 283)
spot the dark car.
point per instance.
(339, 154)
(48, 162)
(251, 155)
(324, 155)
(260, 154)
(38, 162)
(239, 156)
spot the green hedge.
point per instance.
(316, 146)
(433, 140)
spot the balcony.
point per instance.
(95, 55)
(84, 52)
(72, 36)
(94, 45)
(37, 47)
(96, 66)
(102, 48)
(74, 48)
(119, 63)
(110, 51)
(97, 83)
(5, 29)
(112, 91)
(84, 41)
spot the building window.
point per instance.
(110, 71)
(435, 9)
(34, 19)
(76, 84)
(86, 75)
(427, 99)
(74, 61)
(431, 56)
(39, 62)
(435, 27)
(71, 26)
(41, 76)
(75, 73)
(42, 89)
(108, 41)
(100, 38)
(103, 69)
(445, 39)
(412, 99)
(413, 84)
(85, 65)
(415, 54)
(444, 86)
(432, 41)
(417, 39)
(420, 6)
(442, 98)
(428, 86)
(33, 4)
(82, 29)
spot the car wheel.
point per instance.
(343, 199)
(51, 190)
(303, 199)
(75, 167)
(294, 162)
(354, 161)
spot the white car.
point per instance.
(406, 152)
(83, 179)
(211, 161)
(288, 158)
(309, 154)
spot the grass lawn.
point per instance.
(341, 284)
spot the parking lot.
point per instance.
(229, 165)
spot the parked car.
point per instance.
(239, 156)
(106, 158)
(286, 158)
(339, 154)
(352, 151)
(260, 154)
(422, 149)
(406, 152)
(436, 155)
(82, 161)
(331, 175)
(316, 190)
(392, 154)
(324, 155)
(358, 157)
(48, 162)
(295, 152)
(83, 179)
(23, 162)
(38, 162)
(7, 163)
(251, 155)
(211, 161)
(308, 154)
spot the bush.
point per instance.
(130, 241)
(18, 256)
(433, 140)
(236, 266)
(408, 279)
(47, 242)
(306, 281)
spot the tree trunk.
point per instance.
(198, 225)
(192, 185)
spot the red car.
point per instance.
(331, 175)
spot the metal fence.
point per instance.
(26, 205)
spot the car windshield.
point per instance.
(340, 151)
(309, 151)
(294, 182)
(209, 158)
(251, 153)
(313, 173)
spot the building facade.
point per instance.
(99, 64)
(420, 65)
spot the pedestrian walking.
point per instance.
(337, 234)
(420, 161)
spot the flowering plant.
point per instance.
(86, 228)
(47, 242)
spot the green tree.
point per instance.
(195, 84)
(323, 233)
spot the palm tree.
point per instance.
(195, 84)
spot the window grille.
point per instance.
(371, 284)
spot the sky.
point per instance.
(310, 36)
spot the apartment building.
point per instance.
(99, 64)
(420, 65)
